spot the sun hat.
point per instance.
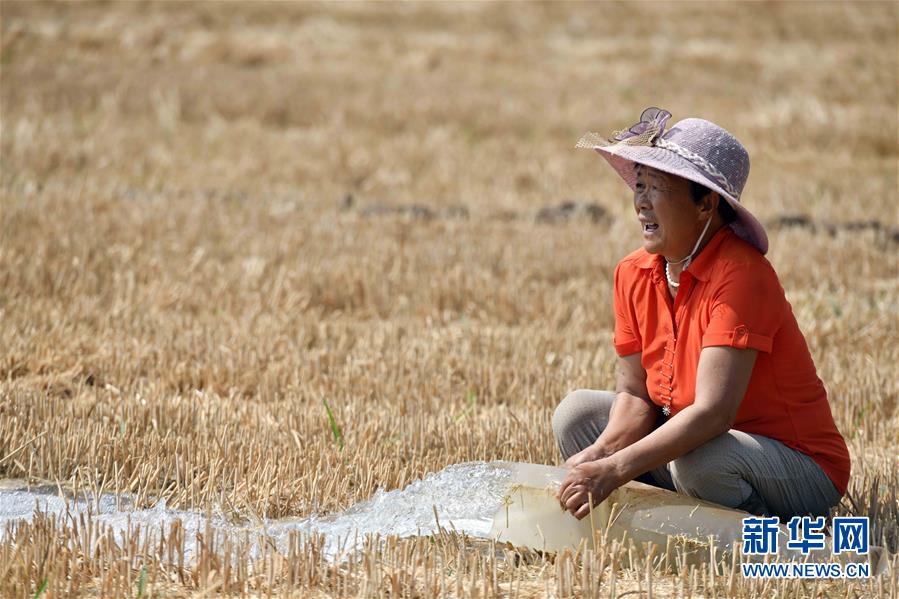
(695, 149)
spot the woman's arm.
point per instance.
(721, 380)
(632, 417)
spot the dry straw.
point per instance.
(182, 282)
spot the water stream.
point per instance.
(465, 497)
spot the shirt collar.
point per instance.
(701, 267)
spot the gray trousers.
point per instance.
(736, 469)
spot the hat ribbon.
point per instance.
(648, 132)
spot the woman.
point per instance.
(717, 396)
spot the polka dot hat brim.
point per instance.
(695, 149)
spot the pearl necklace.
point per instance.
(671, 281)
(686, 260)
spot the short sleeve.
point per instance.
(746, 309)
(627, 339)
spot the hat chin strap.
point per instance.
(689, 257)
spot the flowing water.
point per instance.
(464, 496)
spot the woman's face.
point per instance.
(671, 222)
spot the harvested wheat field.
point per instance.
(264, 261)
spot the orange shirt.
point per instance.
(730, 295)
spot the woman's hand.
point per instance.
(590, 454)
(589, 480)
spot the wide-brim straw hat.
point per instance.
(695, 149)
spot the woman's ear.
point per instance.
(709, 203)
